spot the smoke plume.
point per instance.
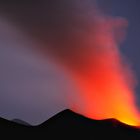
(87, 46)
(85, 42)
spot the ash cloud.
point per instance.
(84, 42)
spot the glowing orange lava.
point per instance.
(105, 93)
(105, 82)
(88, 49)
(107, 99)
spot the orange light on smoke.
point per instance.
(106, 84)
(105, 94)
(90, 55)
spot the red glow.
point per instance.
(88, 50)
(106, 96)
(105, 90)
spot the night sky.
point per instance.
(32, 87)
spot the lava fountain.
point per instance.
(104, 79)
(86, 46)
(85, 43)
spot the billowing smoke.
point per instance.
(85, 42)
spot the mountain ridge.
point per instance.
(70, 125)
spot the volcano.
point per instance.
(70, 125)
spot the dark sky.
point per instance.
(26, 76)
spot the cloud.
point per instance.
(83, 41)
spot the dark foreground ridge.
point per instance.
(69, 125)
(21, 122)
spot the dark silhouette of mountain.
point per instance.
(21, 122)
(69, 125)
